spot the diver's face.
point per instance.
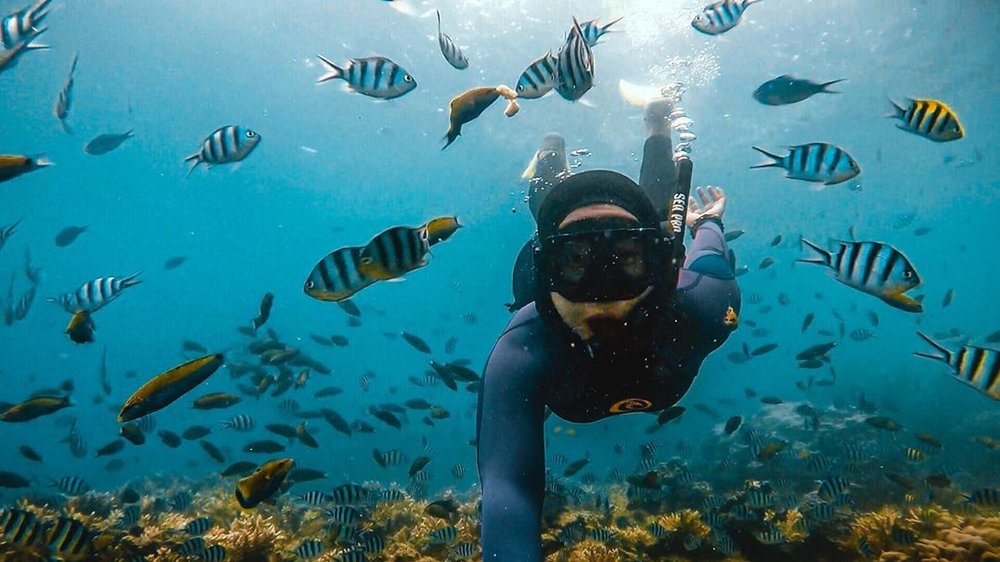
(596, 320)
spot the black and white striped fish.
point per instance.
(371, 542)
(394, 252)
(592, 30)
(466, 550)
(720, 17)
(20, 528)
(94, 295)
(130, 516)
(336, 277)
(240, 422)
(574, 66)
(199, 526)
(443, 535)
(818, 162)
(452, 53)
(7, 230)
(225, 145)
(69, 539)
(309, 549)
(21, 25)
(314, 498)
(377, 77)
(355, 554)
(215, 553)
(538, 79)
(64, 101)
(931, 119)
(978, 367)
(344, 515)
(194, 545)
(71, 485)
(350, 494)
(390, 457)
(871, 267)
(833, 487)
(181, 501)
(458, 471)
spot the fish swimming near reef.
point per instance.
(263, 482)
(160, 391)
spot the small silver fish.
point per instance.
(377, 77)
(452, 53)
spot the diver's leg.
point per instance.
(658, 176)
(547, 168)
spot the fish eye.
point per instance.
(407, 78)
(907, 274)
(310, 284)
(251, 134)
(519, 87)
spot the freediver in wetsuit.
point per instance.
(607, 321)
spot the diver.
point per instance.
(611, 317)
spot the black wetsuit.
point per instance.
(538, 361)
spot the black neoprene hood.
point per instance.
(594, 187)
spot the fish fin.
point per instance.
(607, 28)
(195, 159)
(775, 163)
(904, 302)
(825, 85)
(131, 280)
(438, 12)
(824, 257)
(585, 103)
(40, 161)
(450, 137)
(333, 71)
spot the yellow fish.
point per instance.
(166, 387)
(470, 104)
(731, 319)
(931, 119)
(81, 327)
(263, 483)
(13, 165)
(441, 229)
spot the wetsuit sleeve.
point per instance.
(511, 449)
(707, 286)
(658, 175)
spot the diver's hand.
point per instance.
(712, 205)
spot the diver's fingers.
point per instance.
(704, 196)
(693, 205)
(717, 192)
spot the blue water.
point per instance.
(175, 71)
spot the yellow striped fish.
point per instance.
(166, 387)
(928, 118)
(978, 367)
(263, 483)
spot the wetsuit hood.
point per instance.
(594, 187)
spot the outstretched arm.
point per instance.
(707, 285)
(511, 447)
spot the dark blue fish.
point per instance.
(787, 89)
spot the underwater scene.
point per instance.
(254, 258)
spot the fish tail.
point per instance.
(334, 71)
(823, 258)
(825, 85)
(607, 28)
(438, 12)
(128, 133)
(450, 137)
(945, 353)
(36, 46)
(131, 280)
(775, 159)
(897, 112)
(195, 159)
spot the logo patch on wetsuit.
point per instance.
(731, 319)
(630, 405)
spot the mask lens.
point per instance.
(600, 266)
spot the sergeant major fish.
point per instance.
(394, 252)
(931, 119)
(574, 66)
(452, 53)
(225, 145)
(720, 17)
(815, 162)
(593, 31)
(336, 277)
(9, 58)
(871, 267)
(19, 26)
(96, 294)
(377, 77)
(538, 79)
(978, 367)
(64, 100)
(787, 89)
